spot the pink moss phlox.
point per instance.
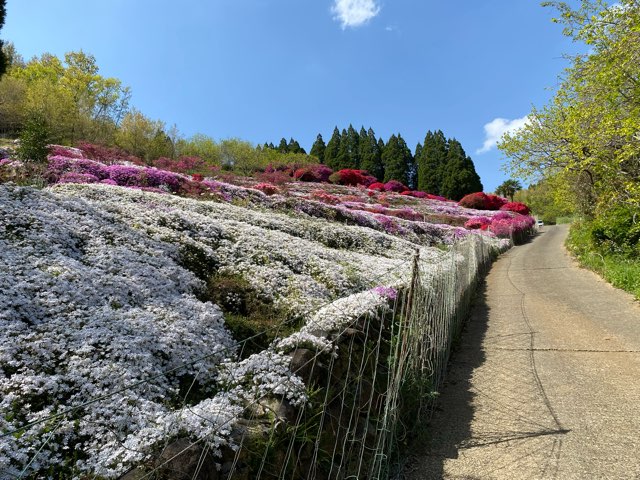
(389, 293)
(108, 155)
(62, 151)
(74, 177)
(58, 165)
(324, 197)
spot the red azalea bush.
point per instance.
(395, 186)
(406, 193)
(376, 186)
(494, 202)
(274, 177)
(266, 188)
(352, 177)
(482, 201)
(517, 207)
(478, 223)
(313, 173)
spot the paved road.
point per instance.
(546, 383)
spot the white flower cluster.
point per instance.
(100, 313)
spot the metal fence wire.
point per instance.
(365, 396)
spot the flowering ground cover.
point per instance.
(120, 284)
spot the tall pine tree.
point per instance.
(318, 148)
(459, 175)
(3, 59)
(371, 154)
(331, 152)
(343, 160)
(353, 144)
(397, 160)
(431, 162)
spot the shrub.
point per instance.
(516, 207)
(482, 201)
(494, 202)
(352, 177)
(313, 173)
(267, 188)
(107, 155)
(395, 186)
(476, 223)
(376, 186)
(34, 139)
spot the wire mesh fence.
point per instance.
(367, 375)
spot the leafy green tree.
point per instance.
(508, 188)
(34, 139)
(318, 148)
(141, 136)
(587, 135)
(331, 152)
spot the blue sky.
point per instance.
(265, 69)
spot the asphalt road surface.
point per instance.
(546, 381)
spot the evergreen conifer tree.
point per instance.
(396, 158)
(353, 144)
(331, 152)
(3, 59)
(318, 148)
(459, 176)
(294, 147)
(343, 159)
(431, 162)
(371, 155)
(283, 146)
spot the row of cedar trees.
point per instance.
(439, 165)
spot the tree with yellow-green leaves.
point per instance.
(588, 136)
(70, 94)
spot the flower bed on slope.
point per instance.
(96, 297)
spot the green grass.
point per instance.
(621, 271)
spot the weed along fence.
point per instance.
(357, 377)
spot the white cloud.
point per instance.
(354, 13)
(496, 128)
